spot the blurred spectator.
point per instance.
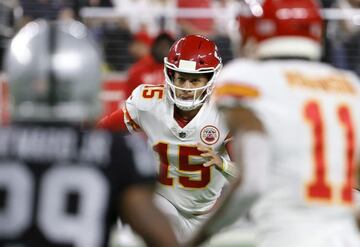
(67, 13)
(165, 22)
(116, 38)
(343, 38)
(211, 27)
(136, 12)
(204, 26)
(46, 9)
(141, 45)
(147, 15)
(150, 69)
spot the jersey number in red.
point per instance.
(319, 188)
(184, 166)
(150, 91)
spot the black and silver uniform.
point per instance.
(60, 186)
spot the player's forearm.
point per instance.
(229, 169)
(145, 219)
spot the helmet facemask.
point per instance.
(199, 95)
(192, 54)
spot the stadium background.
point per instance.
(125, 29)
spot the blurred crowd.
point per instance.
(126, 29)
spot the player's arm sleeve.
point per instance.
(125, 118)
(252, 148)
(131, 111)
(113, 122)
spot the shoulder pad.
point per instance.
(145, 97)
(241, 68)
(239, 79)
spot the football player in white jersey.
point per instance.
(296, 123)
(186, 132)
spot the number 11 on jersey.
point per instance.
(319, 188)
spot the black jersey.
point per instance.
(60, 186)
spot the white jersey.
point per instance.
(311, 112)
(183, 180)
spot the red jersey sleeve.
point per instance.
(113, 122)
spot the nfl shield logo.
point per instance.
(182, 134)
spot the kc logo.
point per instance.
(209, 134)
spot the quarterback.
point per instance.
(186, 132)
(302, 119)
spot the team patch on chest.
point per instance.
(209, 134)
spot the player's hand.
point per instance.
(209, 154)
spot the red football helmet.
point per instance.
(191, 54)
(282, 27)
